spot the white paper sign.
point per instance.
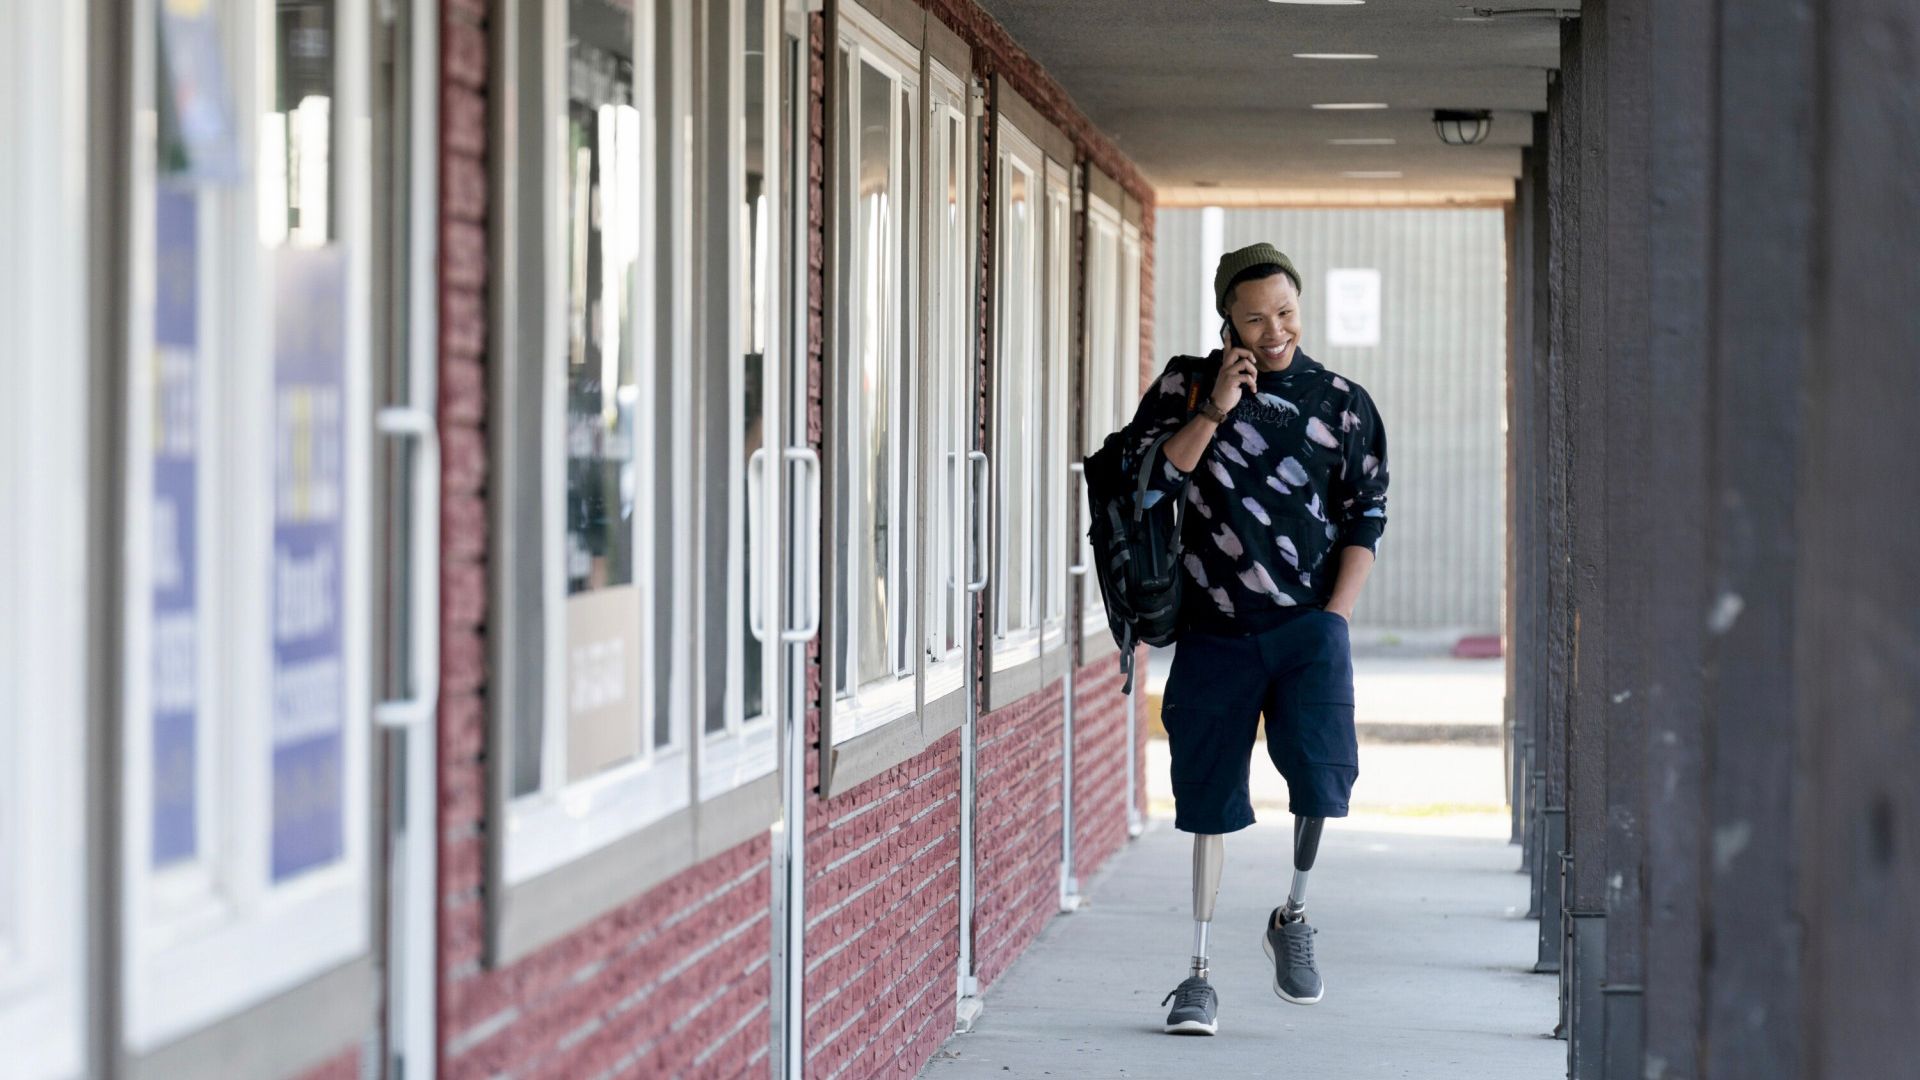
(1353, 307)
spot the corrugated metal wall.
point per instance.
(1438, 376)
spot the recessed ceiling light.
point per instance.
(1362, 142)
(1336, 56)
(1373, 174)
(1351, 105)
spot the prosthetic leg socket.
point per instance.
(1306, 846)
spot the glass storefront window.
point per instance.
(873, 450)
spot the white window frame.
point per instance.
(1107, 406)
(1015, 643)
(560, 821)
(1056, 481)
(1128, 388)
(207, 941)
(44, 594)
(951, 385)
(745, 749)
(861, 708)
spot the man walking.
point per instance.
(1283, 464)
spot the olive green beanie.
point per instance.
(1233, 262)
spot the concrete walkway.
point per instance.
(1423, 943)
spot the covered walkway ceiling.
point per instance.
(1210, 100)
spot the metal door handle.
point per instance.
(982, 474)
(423, 580)
(1079, 467)
(810, 463)
(756, 495)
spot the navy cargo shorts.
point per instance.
(1300, 675)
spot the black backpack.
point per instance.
(1136, 547)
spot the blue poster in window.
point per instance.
(174, 621)
(309, 559)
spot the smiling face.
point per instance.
(1266, 314)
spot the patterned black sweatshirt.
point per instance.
(1298, 471)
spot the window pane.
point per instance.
(877, 388)
(296, 196)
(670, 258)
(1016, 403)
(960, 310)
(848, 232)
(1128, 344)
(602, 180)
(605, 597)
(1053, 465)
(176, 617)
(756, 298)
(906, 350)
(946, 518)
(309, 387)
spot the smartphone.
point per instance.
(1232, 335)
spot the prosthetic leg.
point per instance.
(1306, 845)
(1289, 940)
(1209, 856)
(1195, 1007)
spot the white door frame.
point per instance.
(409, 720)
(797, 575)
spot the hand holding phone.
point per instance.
(1238, 371)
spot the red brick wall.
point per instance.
(1099, 767)
(1017, 829)
(883, 943)
(673, 983)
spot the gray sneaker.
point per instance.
(1194, 1008)
(1296, 977)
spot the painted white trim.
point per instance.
(43, 586)
(547, 831)
(876, 704)
(1108, 406)
(948, 431)
(732, 759)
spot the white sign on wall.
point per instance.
(1353, 307)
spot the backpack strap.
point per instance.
(1144, 480)
(1199, 367)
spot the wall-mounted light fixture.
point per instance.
(1462, 127)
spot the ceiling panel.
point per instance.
(1208, 94)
